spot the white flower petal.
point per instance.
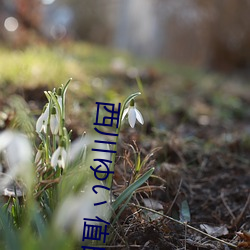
(64, 154)
(18, 155)
(124, 113)
(5, 139)
(133, 114)
(54, 124)
(59, 158)
(42, 121)
(59, 99)
(44, 127)
(39, 123)
(19, 151)
(61, 163)
(46, 113)
(132, 117)
(139, 116)
(55, 156)
(63, 158)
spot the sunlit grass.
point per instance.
(37, 65)
(90, 66)
(41, 64)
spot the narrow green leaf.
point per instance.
(128, 191)
(65, 87)
(122, 208)
(139, 84)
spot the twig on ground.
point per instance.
(184, 224)
(122, 246)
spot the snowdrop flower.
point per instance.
(17, 152)
(54, 121)
(133, 114)
(70, 213)
(59, 157)
(42, 122)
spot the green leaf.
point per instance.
(184, 212)
(65, 87)
(10, 236)
(138, 163)
(122, 209)
(128, 191)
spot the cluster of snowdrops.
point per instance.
(53, 172)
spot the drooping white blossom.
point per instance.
(42, 122)
(54, 121)
(133, 114)
(59, 157)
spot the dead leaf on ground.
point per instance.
(245, 236)
(215, 231)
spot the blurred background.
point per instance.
(211, 34)
(193, 60)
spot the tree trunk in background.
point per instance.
(229, 35)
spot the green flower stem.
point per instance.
(65, 87)
(66, 137)
(54, 142)
(46, 150)
(47, 137)
(53, 97)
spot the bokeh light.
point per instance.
(58, 31)
(11, 24)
